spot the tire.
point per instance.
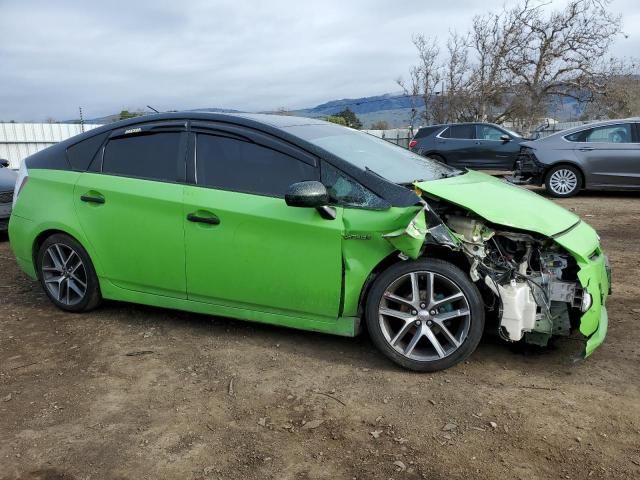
(67, 275)
(563, 181)
(394, 319)
(437, 158)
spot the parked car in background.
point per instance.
(7, 184)
(597, 156)
(303, 223)
(472, 145)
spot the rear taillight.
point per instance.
(412, 144)
(21, 181)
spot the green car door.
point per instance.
(245, 247)
(131, 208)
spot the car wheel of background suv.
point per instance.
(425, 315)
(438, 158)
(67, 274)
(563, 181)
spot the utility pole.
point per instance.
(81, 120)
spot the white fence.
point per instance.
(399, 136)
(19, 140)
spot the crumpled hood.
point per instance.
(502, 203)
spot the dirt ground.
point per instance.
(222, 399)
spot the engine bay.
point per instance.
(528, 280)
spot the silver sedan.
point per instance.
(595, 156)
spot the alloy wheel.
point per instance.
(563, 181)
(424, 316)
(64, 274)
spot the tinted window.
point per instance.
(155, 157)
(459, 131)
(242, 166)
(607, 134)
(345, 191)
(425, 132)
(81, 154)
(487, 132)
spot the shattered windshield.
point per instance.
(373, 154)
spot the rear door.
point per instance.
(130, 206)
(493, 151)
(458, 145)
(609, 155)
(245, 248)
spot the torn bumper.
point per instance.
(594, 276)
(595, 279)
(527, 170)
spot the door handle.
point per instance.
(585, 149)
(192, 217)
(92, 199)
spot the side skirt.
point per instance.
(343, 326)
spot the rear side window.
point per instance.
(241, 166)
(154, 157)
(81, 154)
(466, 132)
(607, 134)
(425, 132)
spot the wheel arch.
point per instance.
(432, 251)
(47, 232)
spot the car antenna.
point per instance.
(151, 108)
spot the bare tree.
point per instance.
(424, 77)
(514, 63)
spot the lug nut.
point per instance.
(432, 312)
(414, 312)
(422, 305)
(418, 322)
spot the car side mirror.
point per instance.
(4, 163)
(311, 194)
(505, 138)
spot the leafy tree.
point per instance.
(125, 114)
(380, 125)
(336, 119)
(350, 118)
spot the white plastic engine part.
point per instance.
(518, 309)
(472, 230)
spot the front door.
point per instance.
(609, 155)
(493, 151)
(245, 247)
(131, 209)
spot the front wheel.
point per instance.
(425, 315)
(563, 181)
(67, 274)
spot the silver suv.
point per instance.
(7, 184)
(597, 156)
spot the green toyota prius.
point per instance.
(302, 223)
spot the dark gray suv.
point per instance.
(598, 156)
(472, 145)
(7, 184)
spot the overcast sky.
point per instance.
(249, 55)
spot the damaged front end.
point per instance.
(539, 286)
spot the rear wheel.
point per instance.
(67, 274)
(425, 315)
(437, 158)
(563, 181)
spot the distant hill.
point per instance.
(393, 108)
